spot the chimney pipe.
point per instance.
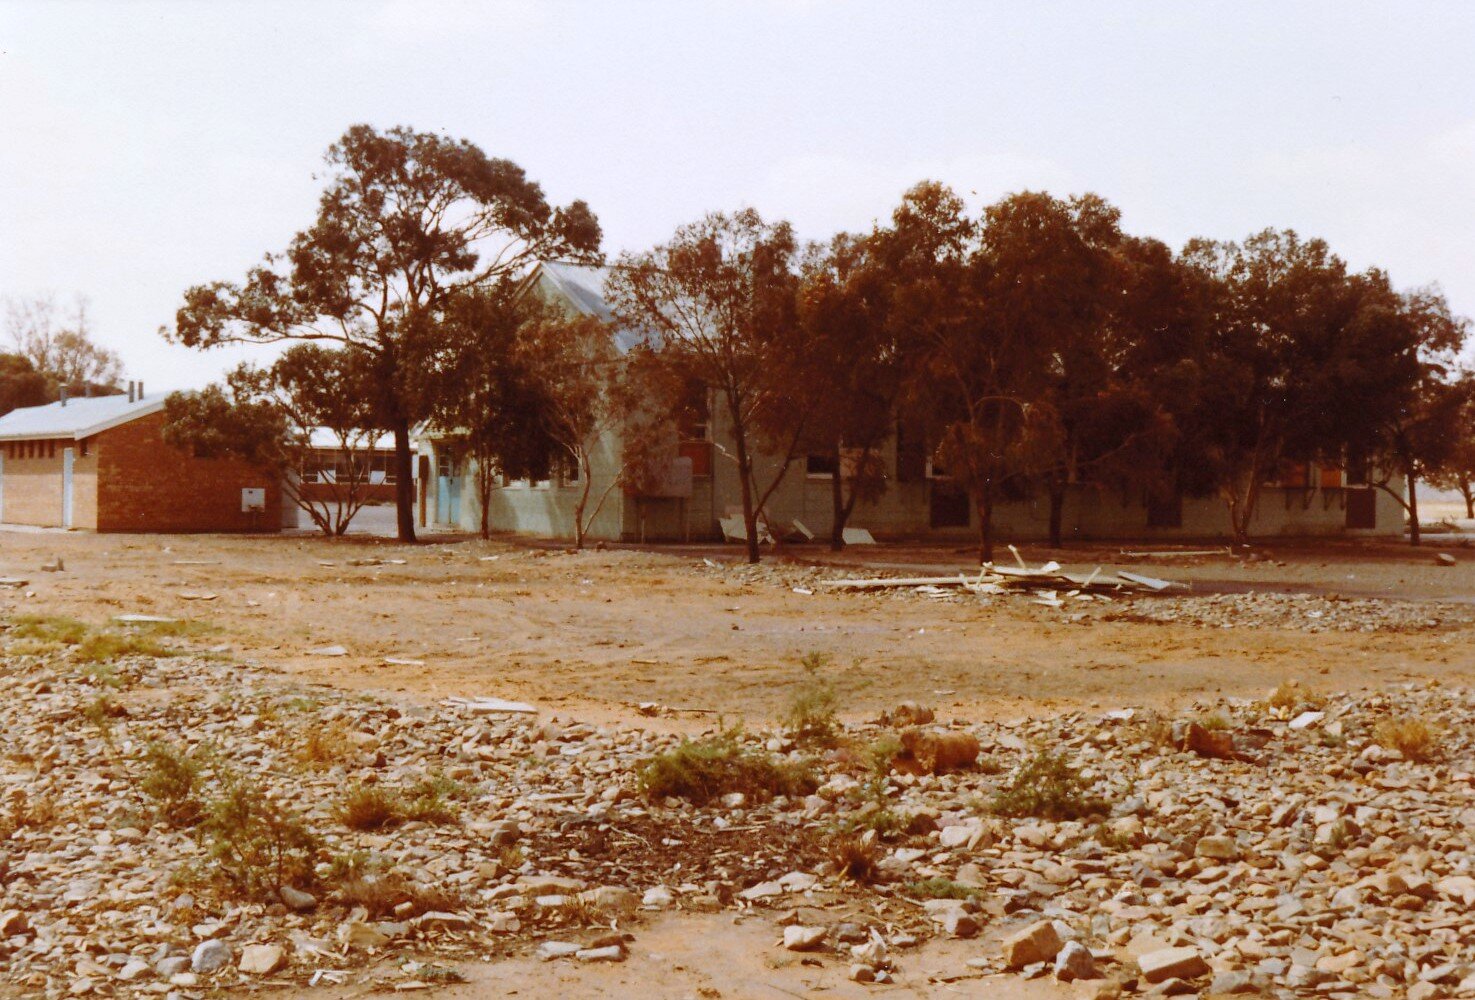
(63, 396)
(140, 389)
(130, 391)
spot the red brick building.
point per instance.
(100, 463)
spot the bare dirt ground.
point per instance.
(714, 955)
(594, 634)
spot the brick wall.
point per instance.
(145, 485)
(32, 488)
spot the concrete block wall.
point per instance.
(32, 491)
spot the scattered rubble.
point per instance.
(1302, 857)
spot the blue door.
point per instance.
(448, 488)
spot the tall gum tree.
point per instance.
(721, 302)
(409, 222)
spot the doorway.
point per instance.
(67, 457)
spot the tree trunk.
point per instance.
(838, 512)
(404, 486)
(1413, 507)
(1057, 513)
(1467, 490)
(985, 504)
(745, 482)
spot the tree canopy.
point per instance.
(409, 224)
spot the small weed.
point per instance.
(1156, 729)
(1414, 738)
(173, 782)
(700, 771)
(257, 845)
(882, 755)
(512, 858)
(100, 711)
(810, 717)
(177, 629)
(939, 888)
(1213, 721)
(1047, 786)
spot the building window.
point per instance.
(568, 472)
(820, 466)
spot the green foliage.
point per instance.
(49, 628)
(939, 888)
(172, 780)
(810, 717)
(256, 844)
(700, 771)
(1048, 787)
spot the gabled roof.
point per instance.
(581, 286)
(77, 418)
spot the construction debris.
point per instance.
(1049, 581)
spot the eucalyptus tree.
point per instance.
(409, 223)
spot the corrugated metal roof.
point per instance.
(582, 286)
(326, 437)
(80, 417)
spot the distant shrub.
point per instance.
(172, 780)
(256, 845)
(1048, 787)
(703, 770)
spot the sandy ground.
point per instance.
(593, 634)
(712, 956)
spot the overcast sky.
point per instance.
(145, 147)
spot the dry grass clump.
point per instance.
(1048, 787)
(100, 647)
(49, 629)
(700, 771)
(28, 812)
(854, 856)
(1414, 738)
(1289, 696)
(326, 744)
(374, 807)
(359, 882)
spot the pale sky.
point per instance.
(145, 147)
